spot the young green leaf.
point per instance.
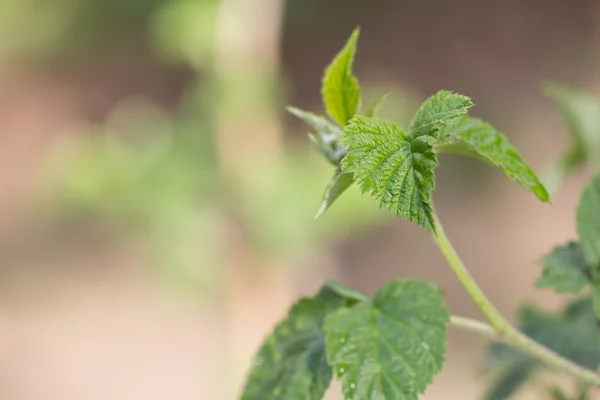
(478, 139)
(588, 223)
(391, 347)
(321, 125)
(438, 111)
(327, 134)
(338, 185)
(394, 167)
(341, 91)
(291, 364)
(565, 270)
(374, 110)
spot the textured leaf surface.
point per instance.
(588, 225)
(437, 111)
(394, 167)
(565, 270)
(391, 347)
(341, 91)
(292, 364)
(338, 185)
(475, 138)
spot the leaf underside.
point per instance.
(478, 139)
(338, 185)
(391, 347)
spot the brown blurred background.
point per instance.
(156, 204)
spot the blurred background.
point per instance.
(156, 203)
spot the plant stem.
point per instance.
(498, 322)
(501, 329)
(527, 346)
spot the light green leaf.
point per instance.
(340, 89)
(478, 139)
(374, 110)
(565, 270)
(321, 125)
(327, 135)
(588, 221)
(389, 348)
(581, 113)
(340, 182)
(394, 167)
(291, 364)
(437, 111)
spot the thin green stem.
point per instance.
(501, 329)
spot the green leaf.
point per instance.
(340, 89)
(327, 135)
(352, 296)
(374, 110)
(394, 167)
(437, 111)
(588, 223)
(391, 347)
(511, 380)
(338, 185)
(291, 364)
(565, 270)
(573, 333)
(581, 113)
(478, 139)
(596, 300)
(321, 125)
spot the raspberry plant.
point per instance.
(391, 346)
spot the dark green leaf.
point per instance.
(573, 334)
(596, 300)
(338, 185)
(478, 139)
(588, 225)
(391, 347)
(291, 364)
(565, 270)
(511, 380)
(341, 91)
(394, 167)
(438, 111)
(374, 110)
